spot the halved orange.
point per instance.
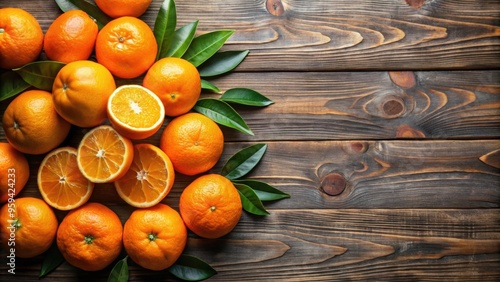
(149, 179)
(60, 181)
(135, 111)
(104, 155)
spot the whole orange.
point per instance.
(15, 172)
(177, 82)
(21, 38)
(28, 226)
(90, 237)
(120, 8)
(70, 37)
(126, 46)
(81, 90)
(210, 206)
(31, 123)
(193, 142)
(154, 237)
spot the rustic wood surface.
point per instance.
(385, 132)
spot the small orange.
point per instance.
(90, 237)
(193, 142)
(81, 90)
(210, 206)
(60, 182)
(15, 172)
(154, 237)
(135, 112)
(70, 37)
(32, 125)
(126, 46)
(177, 82)
(21, 38)
(28, 225)
(120, 8)
(104, 155)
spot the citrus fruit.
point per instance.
(60, 182)
(15, 172)
(90, 237)
(81, 90)
(70, 37)
(28, 225)
(193, 142)
(149, 179)
(135, 111)
(210, 206)
(120, 8)
(154, 237)
(177, 82)
(31, 123)
(21, 38)
(104, 155)
(126, 46)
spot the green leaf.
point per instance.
(245, 96)
(222, 62)
(164, 28)
(11, 84)
(40, 74)
(182, 39)
(191, 268)
(53, 258)
(250, 201)
(206, 45)
(209, 86)
(119, 273)
(264, 191)
(222, 113)
(243, 161)
(66, 5)
(94, 12)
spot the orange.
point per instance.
(149, 179)
(177, 82)
(104, 155)
(70, 37)
(193, 142)
(21, 38)
(32, 125)
(154, 237)
(15, 172)
(28, 226)
(126, 46)
(135, 111)
(90, 237)
(60, 182)
(120, 8)
(81, 90)
(210, 206)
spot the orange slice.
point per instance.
(135, 111)
(104, 155)
(149, 179)
(60, 181)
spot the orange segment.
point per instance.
(104, 155)
(60, 182)
(149, 179)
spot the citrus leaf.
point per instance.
(164, 27)
(66, 5)
(182, 39)
(245, 96)
(40, 74)
(52, 260)
(191, 268)
(243, 161)
(206, 45)
(209, 86)
(92, 10)
(11, 84)
(222, 113)
(264, 191)
(119, 273)
(222, 62)
(250, 201)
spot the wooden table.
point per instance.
(385, 132)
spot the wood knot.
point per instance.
(275, 7)
(393, 107)
(355, 147)
(333, 184)
(403, 79)
(416, 4)
(406, 131)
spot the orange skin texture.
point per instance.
(15, 171)
(120, 8)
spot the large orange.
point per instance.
(177, 82)
(28, 226)
(81, 90)
(154, 237)
(210, 206)
(32, 125)
(15, 172)
(120, 8)
(126, 46)
(90, 237)
(21, 38)
(70, 37)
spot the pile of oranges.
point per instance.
(116, 121)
